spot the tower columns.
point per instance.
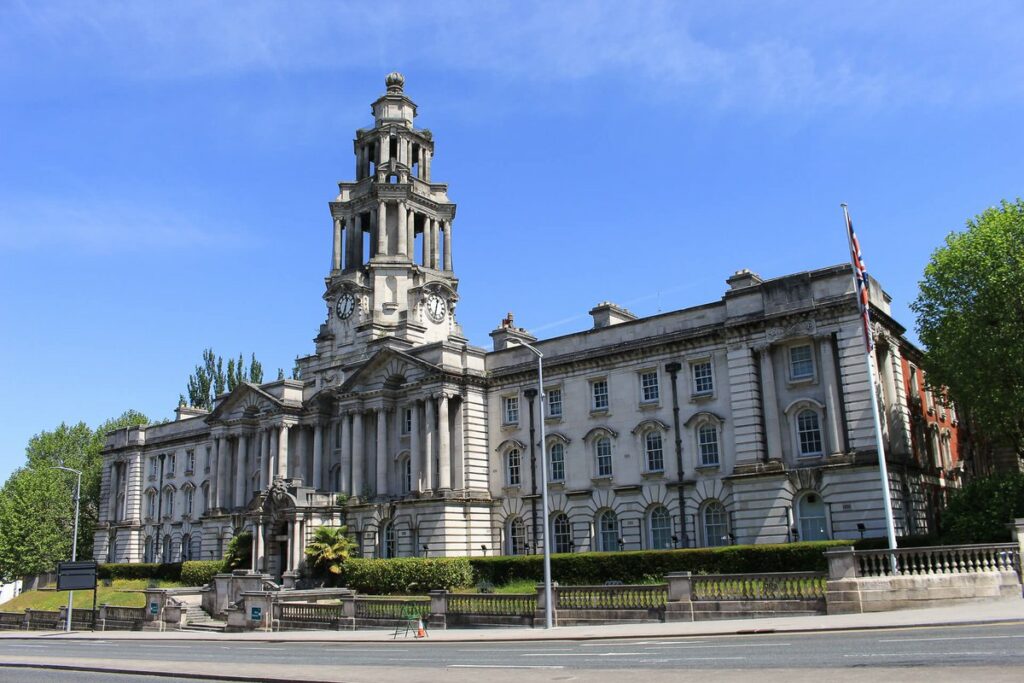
(444, 451)
(357, 454)
(336, 254)
(403, 222)
(282, 452)
(448, 245)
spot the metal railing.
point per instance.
(768, 586)
(493, 604)
(943, 559)
(311, 612)
(390, 608)
(612, 597)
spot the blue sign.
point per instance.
(257, 614)
(154, 608)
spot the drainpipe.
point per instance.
(673, 369)
(530, 395)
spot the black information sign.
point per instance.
(76, 576)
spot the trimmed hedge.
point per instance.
(140, 570)
(406, 574)
(594, 568)
(201, 572)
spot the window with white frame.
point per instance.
(510, 410)
(387, 539)
(514, 467)
(707, 443)
(607, 531)
(151, 504)
(516, 534)
(206, 460)
(599, 394)
(186, 547)
(603, 456)
(561, 533)
(147, 555)
(808, 432)
(659, 528)
(650, 392)
(801, 362)
(554, 400)
(206, 497)
(703, 378)
(406, 420)
(557, 458)
(168, 510)
(405, 468)
(168, 549)
(172, 460)
(154, 467)
(654, 455)
(190, 496)
(190, 461)
(716, 524)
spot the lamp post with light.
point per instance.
(74, 537)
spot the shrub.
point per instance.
(140, 570)
(594, 568)
(239, 552)
(201, 572)
(407, 574)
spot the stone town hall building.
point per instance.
(743, 420)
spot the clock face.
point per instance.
(346, 304)
(436, 308)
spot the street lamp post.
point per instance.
(74, 537)
(548, 607)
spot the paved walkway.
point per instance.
(976, 613)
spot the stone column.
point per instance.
(410, 235)
(359, 163)
(282, 452)
(403, 216)
(296, 554)
(357, 454)
(435, 244)
(832, 417)
(444, 451)
(353, 242)
(385, 149)
(415, 456)
(223, 458)
(336, 254)
(300, 463)
(426, 164)
(382, 451)
(428, 444)
(345, 459)
(382, 228)
(770, 401)
(241, 470)
(318, 456)
(112, 482)
(447, 245)
(214, 472)
(458, 450)
(257, 547)
(272, 456)
(264, 455)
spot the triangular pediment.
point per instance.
(245, 401)
(388, 368)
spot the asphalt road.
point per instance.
(994, 652)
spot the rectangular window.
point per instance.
(603, 451)
(171, 461)
(510, 410)
(707, 438)
(599, 394)
(190, 462)
(554, 397)
(406, 421)
(649, 392)
(206, 460)
(703, 378)
(154, 467)
(189, 501)
(151, 505)
(801, 364)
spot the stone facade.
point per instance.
(744, 420)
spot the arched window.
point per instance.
(112, 546)
(813, 524)
(561, 533)
(514, 467)
(557, 454)
(190, 499)
(405, 472)
(716, 524)
(387, 539)
(654, 456)
(168, 510)
(147, 555)
(151, 504)
(659, 528)
(603, 456)
(808, 431)
(516, 534)
(335, 478)
(607, 531)
(186, 547)
(707, 442)
(167, 549)
(206, 497)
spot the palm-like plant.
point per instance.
(328, 550)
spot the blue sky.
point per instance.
(165, 168)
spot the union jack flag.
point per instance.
(860, 277)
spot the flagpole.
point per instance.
(883, 469)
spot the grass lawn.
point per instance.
(48, 599)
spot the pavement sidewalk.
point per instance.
(974, 613)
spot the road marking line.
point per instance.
(503, 666)
(584, 654)
(711, 647)
(921, 640)
(916, 654)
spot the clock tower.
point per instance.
(391, 282)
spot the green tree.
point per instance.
(255, 371)
(37, 501)
(328, 551)
(970, 318)
(983, 510)
(239, 552)
(209, 379)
